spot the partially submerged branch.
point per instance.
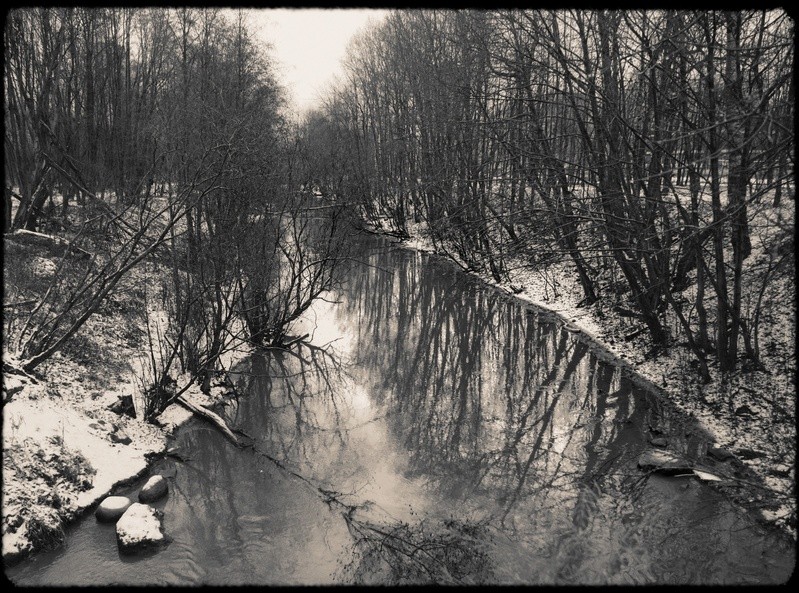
(214, 419)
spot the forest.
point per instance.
(141, 139)
(650, 150)
(169, 213)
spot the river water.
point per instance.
(438, 431)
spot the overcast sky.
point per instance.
(308, 44)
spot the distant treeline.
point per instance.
(124, 99)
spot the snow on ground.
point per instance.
(63, 417)
(60, 458)
(750, 413)
(63, 449)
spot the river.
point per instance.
(437, 430)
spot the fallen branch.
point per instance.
(293, 341)
(9, 368)
(634, 333)
(214, 419)
(55, 245)
(20, 304)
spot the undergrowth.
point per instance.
(41, 485)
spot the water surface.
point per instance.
(440, 431)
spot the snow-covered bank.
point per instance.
(64, 449)
(751, 413)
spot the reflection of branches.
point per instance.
(534, 452)
(395, 551)
(424, 552)
(523, 428)
(295, 395)
(445, 339)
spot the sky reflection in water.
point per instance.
(461, 437)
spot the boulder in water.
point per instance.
(140, 529)
(112, 508)
(153, 489)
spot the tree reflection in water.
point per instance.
(451, 435)
(492, 398)
(511, 438)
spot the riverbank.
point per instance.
(65, 449)
(750, 412)
(66, 442)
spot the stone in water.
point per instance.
(663, 461)
(139, 529)
(112, 508)
(153, 489)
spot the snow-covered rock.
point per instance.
(153, 489)
(140, 528)
(112, 508)
(121, 437)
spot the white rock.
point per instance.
(139, 528)
(153, 489)
(662, 460)
(707, 476)
(112, 508)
